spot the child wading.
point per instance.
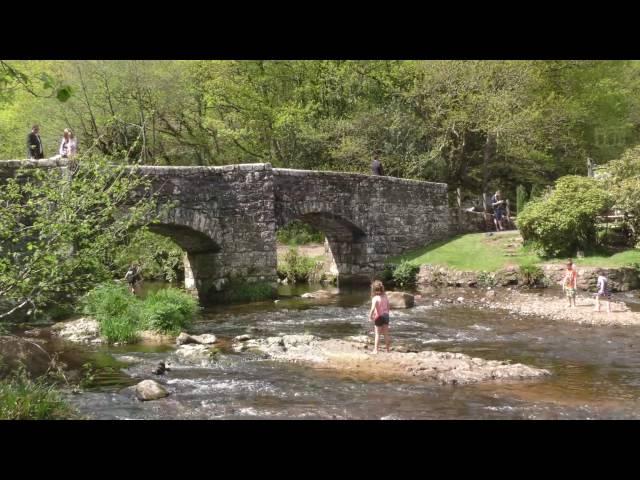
(379, 314)
(570, 283)
(603, 291)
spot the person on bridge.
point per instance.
(68, 146)
(34, 144)
(376, 166)
(379, 314)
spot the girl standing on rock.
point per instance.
(379, 314)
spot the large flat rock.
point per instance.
(354, 357)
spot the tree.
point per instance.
(59, 233)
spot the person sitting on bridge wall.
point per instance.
(376, 166)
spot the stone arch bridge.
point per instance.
(226, 218)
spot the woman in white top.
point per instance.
(68, 146)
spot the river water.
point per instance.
(595, 370)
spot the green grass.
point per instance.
(479, 252)
(24, 399)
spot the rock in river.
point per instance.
(150, 390)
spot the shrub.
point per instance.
(119, 328)
(168, 311)
(122, 315)
(24, 399)
(386, 276)
(296, 267)
(530, 275)
(404, 275)
(563, 221)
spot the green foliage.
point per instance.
(386, 276)
(159, 257)
(531, 274)
(564, 221)
(238, 291)
(623, 180)
(120, 328)
(536, 191)
(24, 399)
(59, 234)
(122, 315)
(464, 122)
(299, 233)
(169, 310)
(404, 275)
(297, 268)
(117, 311)
(521, 198)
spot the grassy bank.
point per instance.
(24, 399)
(480, 252)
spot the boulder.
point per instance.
(400, 299)
(193, 353)
(242, 338)
(150, 390)
(183, 339)
(204, 339)
(82, 330)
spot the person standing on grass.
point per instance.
(570, 283)
(498, 205)
(603, 291)
(379, 314)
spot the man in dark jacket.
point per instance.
(376, 166)
(34, 144)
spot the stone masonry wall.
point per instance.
(367, 219)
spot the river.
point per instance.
(595, 370)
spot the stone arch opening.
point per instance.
(344, 244)
(200, 255)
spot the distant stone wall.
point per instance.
(464, 221)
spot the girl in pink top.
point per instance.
(379, 314)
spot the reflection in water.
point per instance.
(595, 371)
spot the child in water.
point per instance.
(603, 291)
(379, 314)
(570, 283)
